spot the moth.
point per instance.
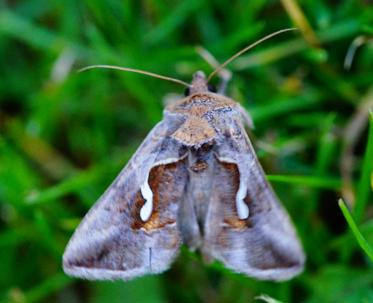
(195, 180)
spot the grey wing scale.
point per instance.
(264, 245)
(112, 242)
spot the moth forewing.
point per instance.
(195, 179)
(112, 241)
(265, 244)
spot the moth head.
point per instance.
(199, 85)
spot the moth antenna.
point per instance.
(358, 41)
(133, 70)
(220, 67)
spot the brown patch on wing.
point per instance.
(135, 211)
(230, 174)
(167, 182)
(238, 224)
(194, 131)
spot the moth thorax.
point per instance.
(199, 83)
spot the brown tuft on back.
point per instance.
(195, 131)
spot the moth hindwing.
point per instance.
(194, 180)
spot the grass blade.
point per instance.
(312, 181)
(363, 189)
(368, 249)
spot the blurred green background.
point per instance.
(64, 136)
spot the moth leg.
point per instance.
(245, 116)
(225, 76)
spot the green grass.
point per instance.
(64, 136)
(355, 230)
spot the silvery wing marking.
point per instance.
(263, 245)
(115, 240)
